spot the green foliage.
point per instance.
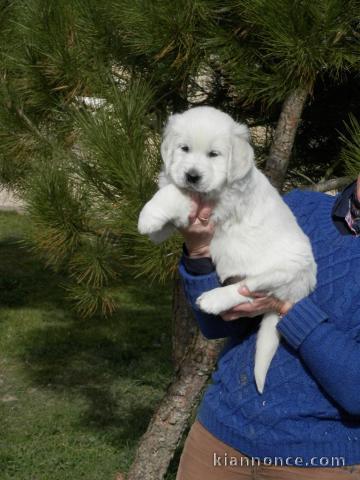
(43, 69)
(351, 151)
(84, 201)
(57, 212)
(68, 235)
(160, 38)
(50, 39)
(268, 49)
(119, 151)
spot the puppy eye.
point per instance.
(213, 154)
(185, 148)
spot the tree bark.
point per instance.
(195, 357)
(184, 327)
(280, 151)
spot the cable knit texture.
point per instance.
(311, 402)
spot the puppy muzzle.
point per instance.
(192, 177)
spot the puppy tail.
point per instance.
(267, 342)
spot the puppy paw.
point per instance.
(151, 220)
(212, 302)
(221, 299)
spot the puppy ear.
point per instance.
(242, 154)
(168, 140)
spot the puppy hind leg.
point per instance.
(267, 342)
(221, 299)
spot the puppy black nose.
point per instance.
(192, 176)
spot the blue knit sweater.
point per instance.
(311, 401)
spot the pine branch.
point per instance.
(31, 125)
(350, 155)
(328, 185)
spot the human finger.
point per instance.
(245, 308)
(195, 204)
(233, 315)
(205, 209)
(241, 310)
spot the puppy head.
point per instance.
(204, 150)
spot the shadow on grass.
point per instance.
(120, 379)
(23, 278)
(116, 369)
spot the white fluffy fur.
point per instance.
(256, 235)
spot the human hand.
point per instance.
(262, 303)
(200, 231)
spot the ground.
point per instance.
(75, 395)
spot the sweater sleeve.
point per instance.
(332, 355)
(211, 326)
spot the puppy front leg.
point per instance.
(163, 234)
(169, 207)
(221, 299)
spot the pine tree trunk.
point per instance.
(184, 326)
(196, 357)
(280, 151)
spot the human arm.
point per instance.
(211, 326)
(332, 355)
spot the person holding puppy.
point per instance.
(307, 421)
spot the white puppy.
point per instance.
(256, 235)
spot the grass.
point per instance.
(75, 395)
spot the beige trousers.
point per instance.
(204, 457)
